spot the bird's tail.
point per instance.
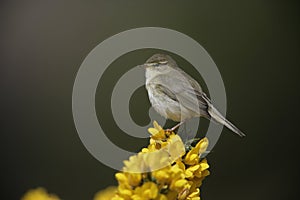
(218, 117)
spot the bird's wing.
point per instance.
(193, 88)
(195, 85)
(182, 92)
(159, 88)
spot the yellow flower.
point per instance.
(194, 195)
(39, 194)
(124, 192)
(176, 147)
(147, 191)
(162, 176)
(157, 132)
(202, 145)
(189, 173)
(105, 194)
(193, 156)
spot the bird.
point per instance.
(177, 96)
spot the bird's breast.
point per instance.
(165, 106)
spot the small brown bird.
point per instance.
(177, 96)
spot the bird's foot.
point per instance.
(175, 127)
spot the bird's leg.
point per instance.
(175, 127)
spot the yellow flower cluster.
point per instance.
(42, 194)
(164, 170)
(106, 194)
(39, 194)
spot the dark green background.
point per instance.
(254, 43)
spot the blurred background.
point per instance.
(255, 45)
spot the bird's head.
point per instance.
(159, 60)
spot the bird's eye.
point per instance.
(155, 64)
